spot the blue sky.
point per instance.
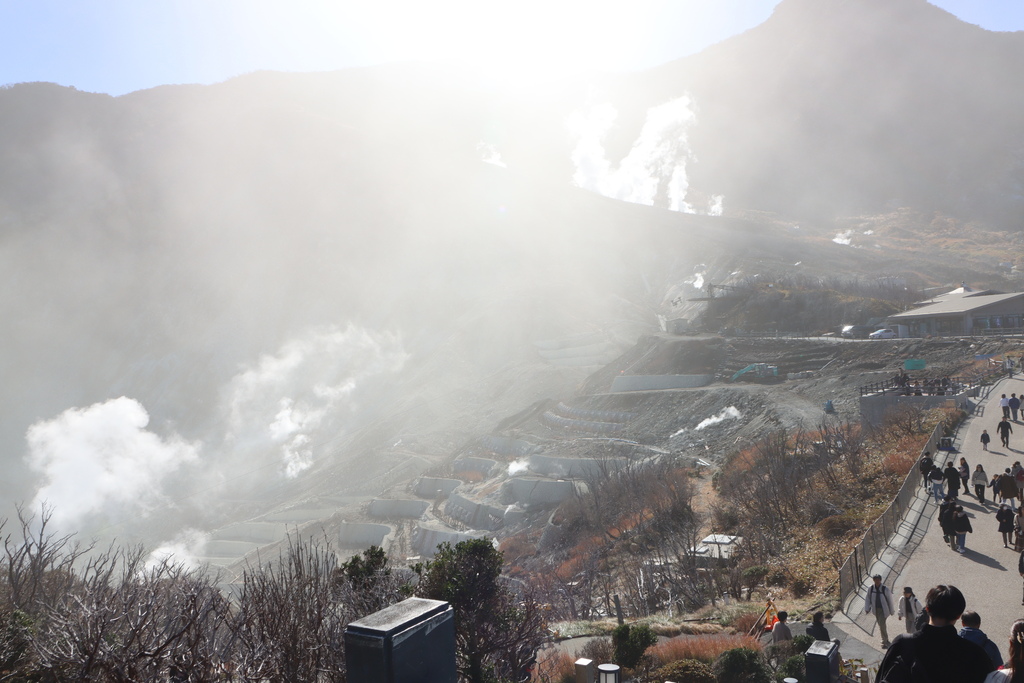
(117, 46)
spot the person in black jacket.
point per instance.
(952, 477)
(1004, 515)
(946, 510)
(962, 527)
(924, 466)
(816, 628)
(1004, 430)
(936, 650)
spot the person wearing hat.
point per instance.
(909, 607)
(878, 602)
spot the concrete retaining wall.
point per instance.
(426, 539)
(362, 535)
(530, 492)
(226, 549)
(299, 515)
(474, 514)
(595, 415)
(552, 536)
(384, 508)
(585, 426)
(427, 487)
(655, 382)
(873, 408)
(591, 350)
(504, 445)
(574, 468)
(481, 465)
(252, 532)
(514, 515)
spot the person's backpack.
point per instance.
(1020, 474)
(905, 668)
(926, 465)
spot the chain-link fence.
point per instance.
(877, 537)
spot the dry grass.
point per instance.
(702, 648)
(744, 622)
(554, 666)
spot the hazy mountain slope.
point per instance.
(838, 106)
(256, 263)
(286, 272)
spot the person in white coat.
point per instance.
(909, 607)
(878, 602)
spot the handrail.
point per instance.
(876, 538)
(947, 385)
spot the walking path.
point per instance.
(919, 558)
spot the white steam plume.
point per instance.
(717, 205)
(518, 466)
(845, 237)
(489, 154)
(102, 459)
(657, 161)
(730, 413)
(185, 549)
(290, 399)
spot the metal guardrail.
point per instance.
(954, 386)
(876, 539)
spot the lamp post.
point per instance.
(608, 673)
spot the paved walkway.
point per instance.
(986, 573)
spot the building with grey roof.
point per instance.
(966, 314)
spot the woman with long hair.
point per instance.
(980, 481)
(1013, 670)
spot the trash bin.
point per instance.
(410, 642)
(821, 661)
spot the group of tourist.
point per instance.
(932, 649)
(933, 386)
(1008, 486)
(781, 631)
(946, 484)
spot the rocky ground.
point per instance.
(583, 419)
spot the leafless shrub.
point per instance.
(123, 621)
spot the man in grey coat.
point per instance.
(878, 602)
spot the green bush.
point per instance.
(741, 665)
(684, 671)
(802, 642)
(631, 641)
(791, 668)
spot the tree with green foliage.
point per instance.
(367, 583)
(631, 641)
(497, 632)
